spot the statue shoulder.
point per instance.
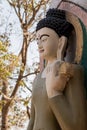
(77, 73)
(70, 69)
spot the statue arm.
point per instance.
(32, 116)
(70, 108)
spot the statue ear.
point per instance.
(61, 47)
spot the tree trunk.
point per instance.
(5, 116)
(5, 106)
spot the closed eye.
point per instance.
(44, 39)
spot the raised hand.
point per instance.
(57, 76)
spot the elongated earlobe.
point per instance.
(61, 47)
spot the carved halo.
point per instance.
(79, 35)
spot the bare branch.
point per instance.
(36, 72)
(5, 97)
(15, 9)
(28, 113)
(32, 2)
(35, 12)
(17, 84)
(28, 87)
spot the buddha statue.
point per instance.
(58, 95)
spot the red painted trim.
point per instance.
(76, 10)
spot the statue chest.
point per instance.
(39, 91)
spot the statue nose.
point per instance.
(39, 43)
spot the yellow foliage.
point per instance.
(21, 83)
(7, 61)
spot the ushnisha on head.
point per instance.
(56, 19)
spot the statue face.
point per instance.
(47, 41)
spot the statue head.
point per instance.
(53, 31)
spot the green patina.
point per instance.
(84, 54)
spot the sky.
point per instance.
(8, 16)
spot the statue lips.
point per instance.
(41, 50)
